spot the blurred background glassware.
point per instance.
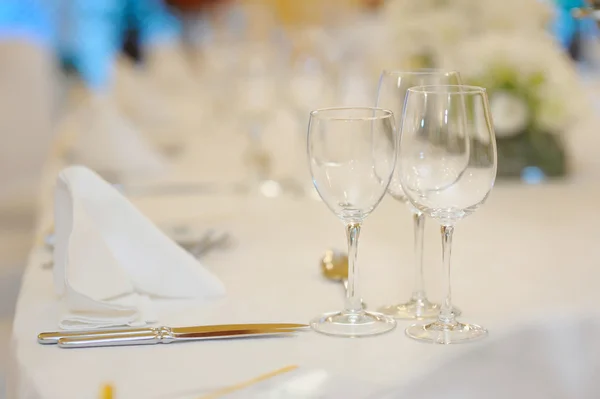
(447, 165)
(391, 94)
(254, 84)
(311, 84)
(352, 153)
(256, 96)
(194, 14)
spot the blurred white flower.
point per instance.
(473, 16)
(510, 112)
(511, 15)
(531, 66)
(438, 26)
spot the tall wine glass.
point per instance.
(390, 95)
(352, 154)
(447, 166)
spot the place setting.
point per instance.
(259, 199)
(432, 150)
(110, 261)
(357, 156)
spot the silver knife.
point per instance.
(163, 336)
(177, 332)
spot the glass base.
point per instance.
(442, 333)
(353, 325)
(415, 309)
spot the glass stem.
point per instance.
(446, 315)
(419, 231)
(353, 301)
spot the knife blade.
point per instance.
(163, 337)
(46, 338)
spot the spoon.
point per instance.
(334, 267)
(211, 240)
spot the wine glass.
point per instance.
(447, 166)
(352, 154)
(390, 95)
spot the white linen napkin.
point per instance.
(109, 259)
(557, 358)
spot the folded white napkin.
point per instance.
(556, 358)
(109, 259)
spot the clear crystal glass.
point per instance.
(447, 166)
(352, 154)
(391, 94)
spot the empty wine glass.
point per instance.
(447, 166)
(390, 95)
(352, 154)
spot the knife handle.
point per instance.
(163, 335)
(160, 335)
(47, 338)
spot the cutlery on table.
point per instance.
(210, 240)
(163, 334)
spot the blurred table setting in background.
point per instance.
(254, 69)
(181, 190)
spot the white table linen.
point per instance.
(528, 252)
(554, 358)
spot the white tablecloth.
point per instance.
(528, 253)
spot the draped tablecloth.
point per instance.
(529, 253)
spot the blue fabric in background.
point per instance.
(95, 40)
(26, 19)
(87, 33)
(154, 21)
(565, 26)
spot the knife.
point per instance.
(163, 337)
(179, 333)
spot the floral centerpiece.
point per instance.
(532, 85)
(534, 96)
